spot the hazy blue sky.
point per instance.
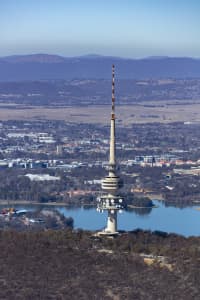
(128, 28)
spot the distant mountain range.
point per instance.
(46, 67)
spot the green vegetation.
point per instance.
(136, 201)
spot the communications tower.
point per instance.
(111, 201)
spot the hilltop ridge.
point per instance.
(94, 66)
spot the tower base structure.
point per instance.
(112, 204)
(111, 222)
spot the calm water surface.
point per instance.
(185, 221)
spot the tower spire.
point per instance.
(113, 92)
(112, 162)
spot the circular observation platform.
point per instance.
(112, 183)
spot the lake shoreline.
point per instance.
(23, 202)
(166, 219)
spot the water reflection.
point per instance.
(179, 204)
(141, 211)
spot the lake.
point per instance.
(184, 221)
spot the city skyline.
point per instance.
(132, 29)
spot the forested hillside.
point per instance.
(75, 265)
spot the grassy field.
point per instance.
(163, 111)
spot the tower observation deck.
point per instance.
(111, 200)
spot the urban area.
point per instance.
(71, 159)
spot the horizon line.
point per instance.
(95, 55)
